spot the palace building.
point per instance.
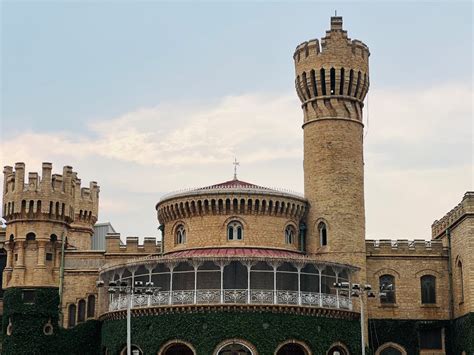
(241, 268)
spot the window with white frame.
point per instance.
(235, 231)
(180, 234)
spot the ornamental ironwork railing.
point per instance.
(227, 296)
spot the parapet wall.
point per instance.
(465, 207)
(55, 196)
(417, 247)
(332, 80)
(113, 245)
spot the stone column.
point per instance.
(21, 253)
(41, 253)
(10, 251)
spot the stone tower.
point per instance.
(332, 80)
(39, 213)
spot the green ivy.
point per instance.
(28, 321)
(462, 334)
(459, 334)
(205, 330)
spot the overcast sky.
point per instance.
(151, 97)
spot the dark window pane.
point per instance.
(428, 289)
(430, 339)
(387, 289)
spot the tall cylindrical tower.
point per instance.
(331, 82)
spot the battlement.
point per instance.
(465, 207)
(332, 76)
(113, 245)
(336, 42)
(417, 247)
(57, 196)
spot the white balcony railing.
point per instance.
(203, 297)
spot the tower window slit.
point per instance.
(305, 85)
(332, 75)
(351, 79)
(358, 84)
(341, 88)
(313, 82)
(323, 81)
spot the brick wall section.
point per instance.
(408, 262)
(460, 223)
(207, 227)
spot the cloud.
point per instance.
(417, 153)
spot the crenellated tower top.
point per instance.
(49, 196)
(332, 77)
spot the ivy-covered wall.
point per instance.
(265, 330)
(462, 334)
(28, 320)
(459, 333)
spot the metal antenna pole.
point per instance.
(362, 323)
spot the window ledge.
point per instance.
(429, 305)
(389, 305)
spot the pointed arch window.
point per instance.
(71, 316)
(428, 289)
(90, 306)
(290, 234)
(81, 311)
(460, 281)
(235, 231)
(323, 234)
(180, 234)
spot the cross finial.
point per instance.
(236, 163)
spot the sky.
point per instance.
(151, 97)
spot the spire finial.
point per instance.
(335, 12)
(236, 163)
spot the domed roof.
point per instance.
(235, 183)
(233, 186)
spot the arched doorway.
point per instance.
(235, 349)
(135, 350)
(338, 349)
(177, 349)
(390, 349)
(292, 349)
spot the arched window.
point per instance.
(387, 289)
(180, 234)
(30, 236)
(460, 281)
(323, 234)
(235, 231)
(290, 235)
(428, 289)
(90, 306)
(71, 316)
(53, 238)
(81, 311)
